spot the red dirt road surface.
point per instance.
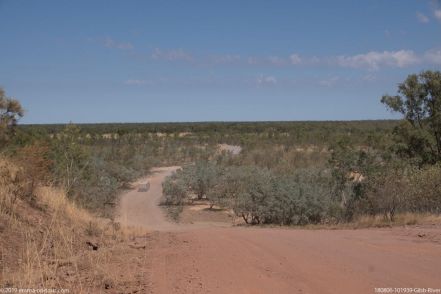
(207, 259)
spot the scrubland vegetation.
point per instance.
(93, 162)
(371, 169)
(55, 179)
(47, 240)
(286, 172)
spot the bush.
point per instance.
(12, 186)
(174, 191)
(391, 188)
(201, 178)
(254, 194)
(424, 190)
(257, 194)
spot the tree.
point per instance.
(419, 101)
(354, 170)
(10, 112)
(174, 190)
(201, 177)
(253, 195)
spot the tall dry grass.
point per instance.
(400, 219)
(47, 239)
(9, 188)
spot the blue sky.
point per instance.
(144, 61)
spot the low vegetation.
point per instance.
(335, 182)
(55, 180)
(46, 239)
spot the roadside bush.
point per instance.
(254, 195)
(174, 191)
(258, 195)
(311, 191)
(201, 178)
(387, 193)
(388, 186)
(424, 190)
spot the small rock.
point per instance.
(421, 235)
(94, 246)
(108, 283)
(137, 246)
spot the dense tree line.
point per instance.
(236, 133)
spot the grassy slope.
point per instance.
(44, 243)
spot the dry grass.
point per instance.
(9, 188)
(48, 238)
(45, 243)
(379, 221)
(400, 219)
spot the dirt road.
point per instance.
(140, 208)
(263, 260)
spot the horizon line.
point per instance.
(209, 122)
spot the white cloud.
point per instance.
(373, 60)
(433, 56)
(437, 13)
(110, 43)
(266, 80)
(422, 18)
(295, 59)
(171, 55)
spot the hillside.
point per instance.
(47, 242)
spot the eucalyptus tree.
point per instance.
(10, 113)
(419, 101)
